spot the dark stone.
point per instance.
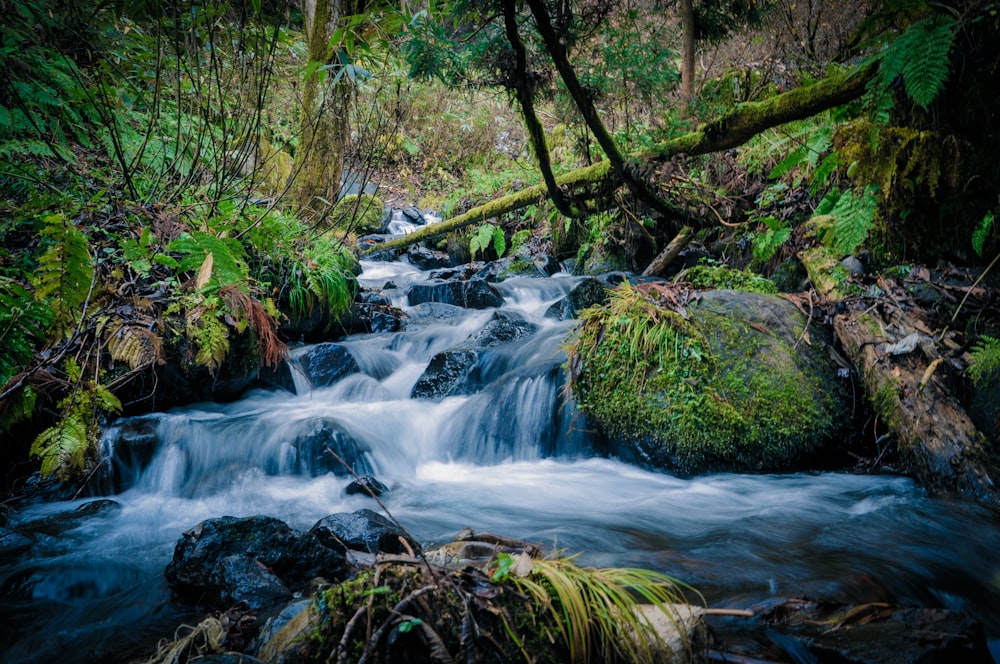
(472, 294)
(127, 451)
(446, 371)
(199, 562)
(363, 530)
(313, 450)
(13, 544)
(275, 623)
(547, 264)
(428, 259)
(325, 364)
(430, 312)
(366, 485)
(373, 297)
(495, 271)
(984, 408)
(277, 377)
(98, 507)
(244, 579)
(451, 372)
(227, 658)
(367, 317)
(585, 294)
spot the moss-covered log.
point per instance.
(936, 441)
(732, 129)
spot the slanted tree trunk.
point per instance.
(936, 441)
(598, 181)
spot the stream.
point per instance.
(508, 457)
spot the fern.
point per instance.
(982, 233)
(17, 406)
(985, 360)
(63, 449)
(137, 346)
(229, 261)
(211, 336)
(766, 244)
(65, 271)
(23, 325)
(853, 215)
(486, 235)
(921, 57)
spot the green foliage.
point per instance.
(24, 322)
(64, 447)
(484, 237)
(210, 334)
(985, 360)
(851, 214)
(982, 233)
(228, 258)
(767, 243)
(65, 271)
(921, 57)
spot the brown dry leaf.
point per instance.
(205, 273)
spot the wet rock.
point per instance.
(202, 563)
(126, 452)
(452, 371)
(445, 374)
(244, 579)
(364, 317)
(471, 294)
(13, 544)
(313, 446)
(98, 507)
(326, 363)
(363, 530)
(277, 622)
(431, 312)
(278, 377)
(428, 259)
(803, 630)
(585, 294)
(367, 486)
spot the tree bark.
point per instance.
(687, 50)
(732, 129)
(670, 252)
(937, 442)
(319, 159)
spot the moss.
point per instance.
(719, 276)
(711, 392)
(361, 213)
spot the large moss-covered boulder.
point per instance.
(699, 381)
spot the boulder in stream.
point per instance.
(326, 363)
(700, 381)
(471, 294)
(216, 562)
(363, 530)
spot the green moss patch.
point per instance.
(719, 380)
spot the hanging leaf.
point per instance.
(205, 273)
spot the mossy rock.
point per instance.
(726, 381)
(359, 213)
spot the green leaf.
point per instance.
(61, 447)
(982, 233)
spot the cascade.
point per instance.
(498, 449)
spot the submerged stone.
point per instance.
(363, 530)
(326, 363)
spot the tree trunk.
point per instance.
(687, 50)
(598, 181)
(320, 156)
(937, 442)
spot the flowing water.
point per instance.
(510, 458)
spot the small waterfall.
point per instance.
(499, 448)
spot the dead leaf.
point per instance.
(205, 273)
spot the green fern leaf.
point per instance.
(212, 338)
(982, 233)
(65, 271)
(985, 360)
(16, 407)
(62, 448)
(921, 57)
(23, 326)
(229, 261)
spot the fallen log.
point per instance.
(728, 131)
(901, 362)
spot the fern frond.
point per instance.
(211, 336)
(17, 406)
(61, 448)
(985, 360)
(921, 57)
(982, 233)
(65, 271)
(853, 217)
(24, 323)
(137, 346)
(229, 261)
